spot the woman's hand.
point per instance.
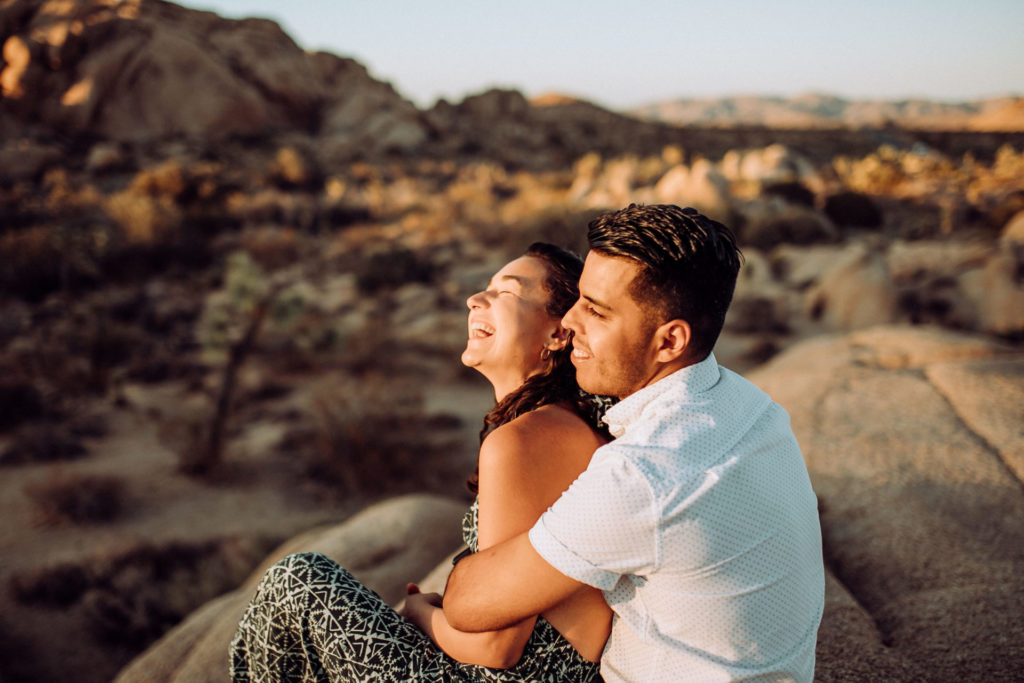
(419, 607)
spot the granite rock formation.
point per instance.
(913, 440)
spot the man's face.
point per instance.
(613, 349)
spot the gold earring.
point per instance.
(545, 353)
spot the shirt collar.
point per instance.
(689, 381)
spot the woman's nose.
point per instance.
(476, 300)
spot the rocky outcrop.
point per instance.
(912, 437)
(385, 546)
(121, 71)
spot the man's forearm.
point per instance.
(502, 585)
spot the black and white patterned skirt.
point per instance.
(311, 620)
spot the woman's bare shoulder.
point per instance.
(531, 460)
(542, 422)
(539, 432)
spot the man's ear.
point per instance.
(559, 338)
(671, 340)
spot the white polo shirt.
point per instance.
(699, 524)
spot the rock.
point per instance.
(934, 280)
(363, 115)
(855, 293)
(614, 187)
(909, 260)
(25, 159)
(702, 186)
(771, 165)
(1013, 231)
(971, 386)
(106, 156)
(923, 522)
(770, 222)
(385, 546)
(997, 292)
(801, 266)
(121, 71)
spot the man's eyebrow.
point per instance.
(596, 302)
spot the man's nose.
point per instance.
(569, 319)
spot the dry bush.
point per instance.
(42, 443)
(853, 209)
(271, 247)
(20, 401)
(167, 179)
(792, 192)
(144, 219)
(392, 268)
(76, 498)
(42, 259)
(133, 597)
(373, 437)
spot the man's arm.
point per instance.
(503, 585)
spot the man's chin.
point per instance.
(583, 379)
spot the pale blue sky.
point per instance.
(623, 53)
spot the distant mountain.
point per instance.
(828, 111)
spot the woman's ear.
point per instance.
(559, 339)
(671, 340)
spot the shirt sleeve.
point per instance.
(603, 526)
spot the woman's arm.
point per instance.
(524, 467)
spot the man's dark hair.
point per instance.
(688, 265)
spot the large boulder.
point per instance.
(856, 292)
(996, 291)
(385, 546)
(701, 186)
(912, 438)
(122, 71)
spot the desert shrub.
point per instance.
(853, 209)
(796, 227)
(57, 586)
(80, 498)
(20, 401)
(372, 437)
(43, 259)
(133, 597)
(42, 443)
(166, 179)
(792, 192)
(144, 219)
(271, 247)
(393, 268)
(292, 168)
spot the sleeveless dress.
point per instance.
(312, 621)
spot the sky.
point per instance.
(628, 53)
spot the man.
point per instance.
(698, 521)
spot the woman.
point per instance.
(311, 620)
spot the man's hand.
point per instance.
(419, 607)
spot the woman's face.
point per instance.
(509, 327)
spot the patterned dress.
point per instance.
(311, 620)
